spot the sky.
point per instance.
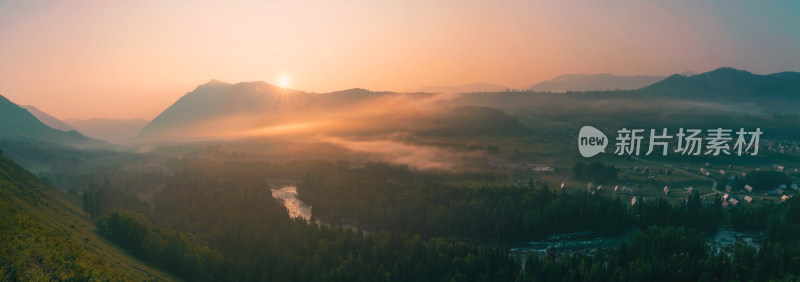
(132, 59)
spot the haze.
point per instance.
(132, 60)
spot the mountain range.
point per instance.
(591, 82)
(732, 83)
(218, 100)
(20, 124)
(106, 129)
(112, 130)
(48, 120)
(466, 88)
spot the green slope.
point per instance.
(43, 236)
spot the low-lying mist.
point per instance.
(401, 128)
(381, 127)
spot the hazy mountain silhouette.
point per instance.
(217, 109)
(217, 99)
(113, 130)
(732, 84)
(47, 119)
(40, 148)
(729, 80)
(589, 82)
(466, 88)
(17, 123)
(218, 106)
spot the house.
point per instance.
(782, 186)
(784, 198)
(666, 191)
(589, 187)
(616, 189)
(748, 199)
(725, 197)
(690, 189)
(722, 172)
(733, 201)
(562, 185)
(725, 204)
(728, 188)
(748, 188)
(708, 174)
(634, 201)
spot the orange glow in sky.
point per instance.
(132, 59)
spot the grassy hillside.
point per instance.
(46, 237)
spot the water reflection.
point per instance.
(296, 207)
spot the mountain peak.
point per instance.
(214, 82)
(728, 71)
(731, 83)
(258, 84)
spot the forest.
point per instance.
(218, 221)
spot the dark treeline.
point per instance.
(763, 180)
(594, 171)
(374, 198)
(101, 198)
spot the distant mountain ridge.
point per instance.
(38, 147)
(47, 119)
(243, 106)
(113, 130)
(466, 88)
(217, 109)
(779, 90)
(17, 123)
(590, 82)
(728, 78)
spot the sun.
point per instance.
(284, 80)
